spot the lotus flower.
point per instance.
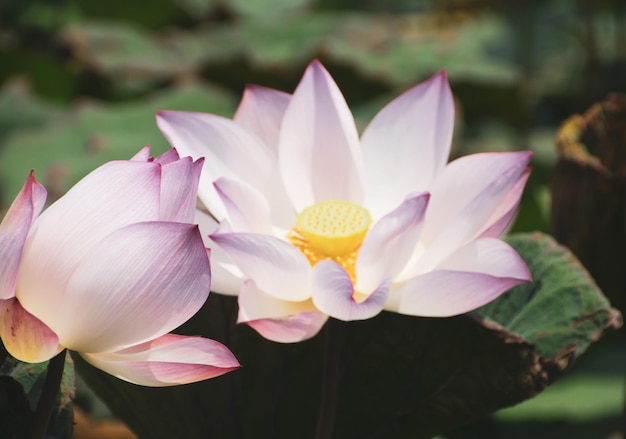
(309, 221)
(108, 270)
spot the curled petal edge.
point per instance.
(333, 294)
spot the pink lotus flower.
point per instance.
(313, 222)
(108, 270)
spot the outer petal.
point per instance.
(25, 336)
(261, 112)
(168, 156)
(138, 283)
(231, 152)
(112, 196)
(504, 214)
(226, 277)
(407, 144)
(488, 255)
(334, 294)
(473, 276)
(143, 155)
(179, 189)
(390, 243)
(277, 267)
(278, 320)
(246, 208)
(319, 146)
(447, 228)
(13, 231)
(167, 361)
(465, 179)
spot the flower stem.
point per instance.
(48, 396)
(331, 379)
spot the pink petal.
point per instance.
(226, 278)
(14, 229)
(231, 152)
(261, 111)
(278, 320)
(488, 255)
(179, 189)
(169, 156)
(138, 283)
(319, 146)
(456, 213)
(26, 337)
(246, 208)
(465, 179)
(290, 329)
(112, 196)
(143, 155)
(277, 267)
(333, 294)
(407, 144)
(167, 361)
(390, 243)
(503, 216)
(474, 275)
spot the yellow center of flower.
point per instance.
(331, 230)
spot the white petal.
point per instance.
(231, 152)
(333, 294)
(277, 267)
(390, 243)
(464, 179)
(473, 276)
(319, 146)
(14, 229)
(167, 361)
(278, 320)
(467, 222)
(503, 216)
(490, 256)
(138, 283)
(407, 144)
(226, 277)
(254, 304)
(246, 208)
(261, 112)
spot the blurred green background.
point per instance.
(80, 81)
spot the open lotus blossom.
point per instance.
(109, 270)
(309, 221)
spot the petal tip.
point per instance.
(441, 76)
(524, 156)
(317, 66)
